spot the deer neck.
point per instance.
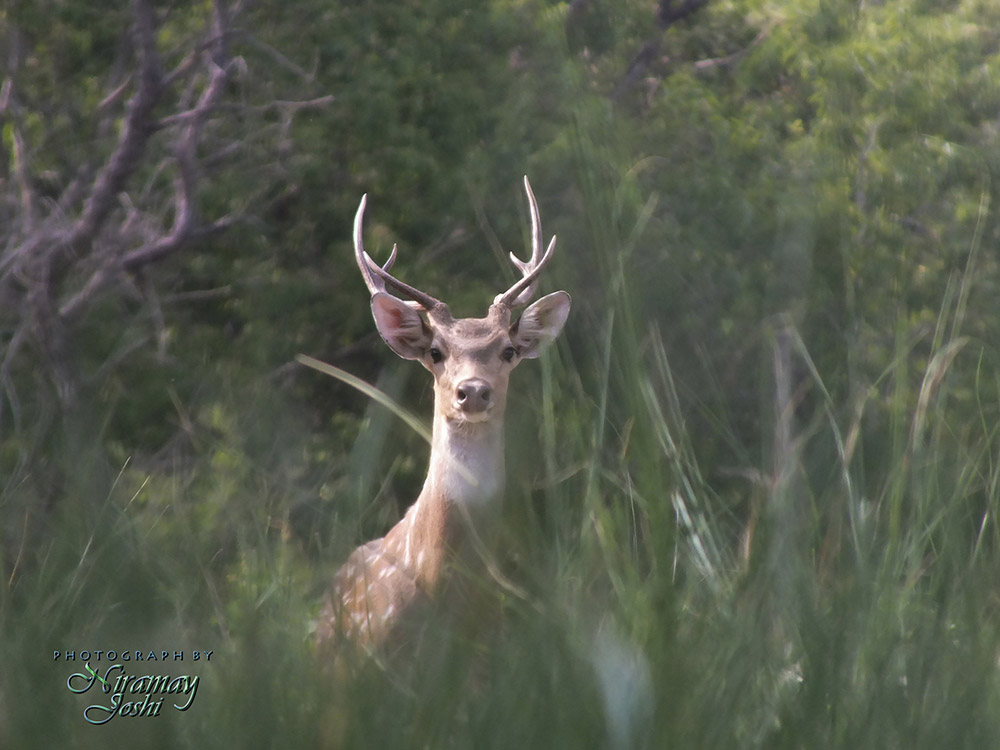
(459, 501)
(467, 463)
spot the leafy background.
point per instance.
(753, 492)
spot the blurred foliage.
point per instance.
(765, 453)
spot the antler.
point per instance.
(524, 289)
(376, 276)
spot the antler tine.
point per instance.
(374, 285)
(522, 291)
(377, 276)
(424, 300)
(536, 231)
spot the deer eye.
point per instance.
(508, 354)
(436, 355)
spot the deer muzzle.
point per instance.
(474, 396)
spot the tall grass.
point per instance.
(847, 597)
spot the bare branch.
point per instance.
(137, 129)
(716, 62)
(199, 295)
(5, 89)
(23, 181)
(666, 16)
(12, 349)
(279, 58)
(185, 66)
(115, 96)
(288, 106)
(97, 235)
(168, 244)
(185, 181)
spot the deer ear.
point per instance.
(540, 324)
(401, 326)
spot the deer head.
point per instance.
(470, 358)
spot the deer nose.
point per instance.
(474, 395)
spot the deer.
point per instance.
(382, 592)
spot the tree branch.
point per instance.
(185, 180)
(137, 129)
(666, 16)
(716, 62)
